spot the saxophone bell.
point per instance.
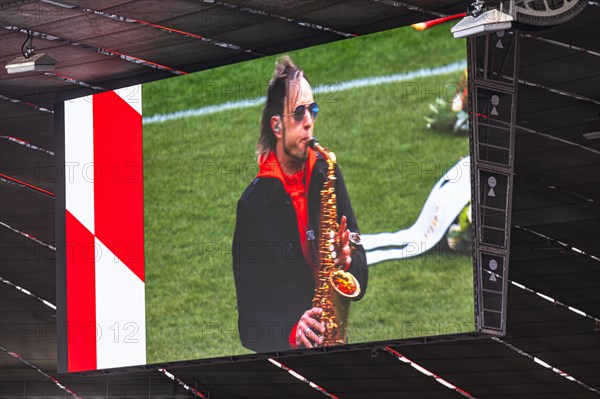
(345, 283)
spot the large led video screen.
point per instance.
(182, 243)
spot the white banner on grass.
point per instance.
(445, 202)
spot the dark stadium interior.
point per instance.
(555, 236)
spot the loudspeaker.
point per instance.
(493, 84)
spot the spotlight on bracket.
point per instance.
(489, 21)
(36, 62)
(29, 61)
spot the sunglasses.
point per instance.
(300, 111)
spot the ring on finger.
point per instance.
(307, 331)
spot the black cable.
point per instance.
(30, 38)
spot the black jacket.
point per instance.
(274, 283)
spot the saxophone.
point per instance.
(334, 286)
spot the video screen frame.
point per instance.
(429, 172)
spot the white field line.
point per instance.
(348, 85)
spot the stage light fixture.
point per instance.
(29, 61)
(487, 22)
(35, 63)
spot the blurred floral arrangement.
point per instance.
(451, 116)
(459, 233)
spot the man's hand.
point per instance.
(344, 258)
(309, 331)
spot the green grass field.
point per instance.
(196, 168)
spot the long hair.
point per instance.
(285, 78)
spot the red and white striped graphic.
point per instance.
(105, 230)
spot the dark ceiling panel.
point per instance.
(576, 179)
(231, 383)
(289, 7)
(554, 213)
(27, 211)
(156, 385)
(534, 103)
(339, 15)
(259, 37)
(531, 142)
(197, 18)
(15, 307)
(29, 265)
(565, 231)
(17, 110)
(30, 382)
(506, 373)
(183, 52)
(533, 195)
(138, 39)
(533, 316)
(567, 168)
(33, 167)
(69, 24)
(35, 126)
(580, 30)
(405, 13)
(154, 11)
(547, 160)
(40, 86)
(41, 284)
(83, 64)
(65, 54)
(32, 14)
(123, 5)
(347, 12)
(573, 73)
(347, 16)
(340, 374)
(568, 63)
(28, 328)
(93, 72)
(26, 264)
(556, 335)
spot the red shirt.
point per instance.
(296, 186)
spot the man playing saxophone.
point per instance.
(281, 247)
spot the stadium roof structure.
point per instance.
(552, 346)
